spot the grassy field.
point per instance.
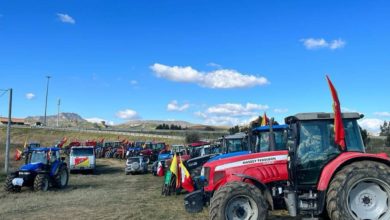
(109, 194)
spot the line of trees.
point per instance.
(385, 131)
(168, 127)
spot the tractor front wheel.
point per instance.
(8, 186)
(41, 182)
(238, 200)
(360, 190)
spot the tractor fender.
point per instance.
(259, 185)
(343, 160)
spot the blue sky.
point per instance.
(214, 62)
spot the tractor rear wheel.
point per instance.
(8, 186)
(360, 190)
(62, 178)
(238, 200)
(41, 182)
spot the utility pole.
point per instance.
(58, 113)
(8, 141)
(47, 94)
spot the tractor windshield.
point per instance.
(38, 157)
(317, 146)
(233, 145)
(81, 152)
(280, 140)
(158, 146)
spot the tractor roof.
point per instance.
(239, 135)
(274, 127)
(45, 149)
(320, 116)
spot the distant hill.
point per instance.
(65, 120)
(74, 120)
(151, 124)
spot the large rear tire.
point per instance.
(360, 190)
(41, 182)
(238, 200)
(8, 186)
(62, 178)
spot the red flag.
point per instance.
(18, 154)
(186, 181)
(339, 133)
(160, 169)
(62, 142)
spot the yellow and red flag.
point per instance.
(186, 180)
(174, 170)
(18, 154)
(339, 133)
(265, 120)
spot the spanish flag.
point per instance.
(18, 154)
(339, 133)
(265, 120)
(186, 181)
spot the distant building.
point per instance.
(14, 121)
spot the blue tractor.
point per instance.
(44, 167)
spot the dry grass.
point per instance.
(109, 194)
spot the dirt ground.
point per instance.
(107, 194)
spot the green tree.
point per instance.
(192, 137)
(387, 143)
(234, 129)
(385, 129)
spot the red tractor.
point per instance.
(313, 177)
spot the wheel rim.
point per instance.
(369, 199)
(241, 208)
(64, 176)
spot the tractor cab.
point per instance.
(312, 146)
(263, 133)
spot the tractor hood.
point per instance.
(233, 154)
(31, 166)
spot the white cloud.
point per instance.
(133, 82)
(99, 121)
(218, 79)
(372, 125)
(280, 110)
(234, 109)
(216, 65)
(231, 113)
(313, 43)
(30, 96)
(335, 44)
(127, 114)
(65, 18)
(382, 114)
(174, 106)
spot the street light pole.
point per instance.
(8, 141)
(58, 112)
(47, 94)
